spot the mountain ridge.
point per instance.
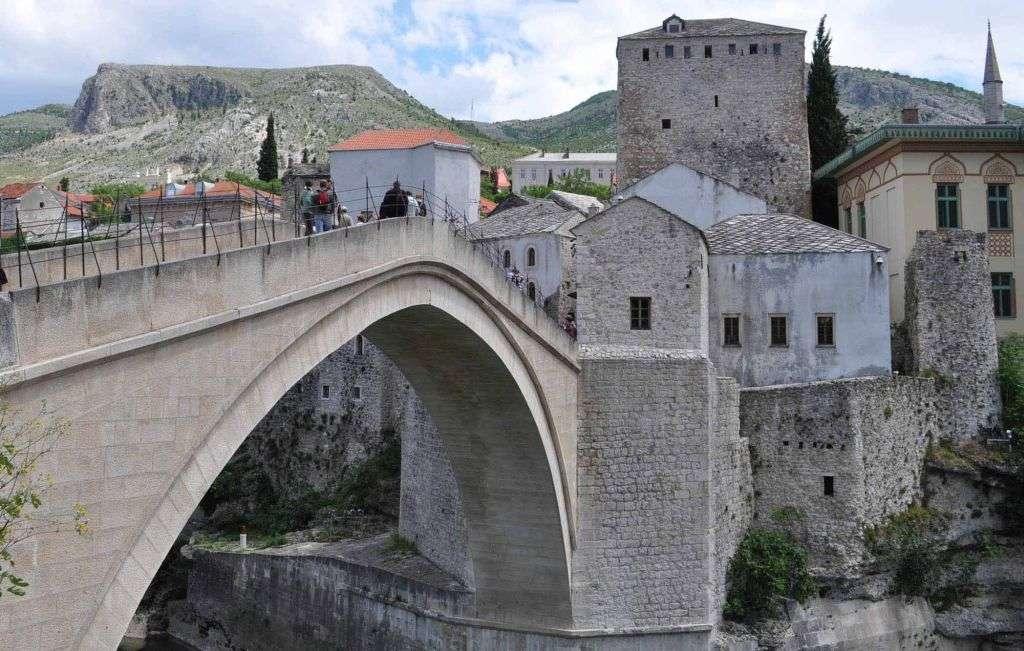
(131, 118)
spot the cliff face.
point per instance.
(130, 118)
(119, 95)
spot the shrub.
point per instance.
(913, 545)
(768, 567)
(274, 186)
(399, 544)
(1011, 379)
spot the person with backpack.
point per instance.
(322, 207)
(306, 203)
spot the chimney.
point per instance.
(911, 115)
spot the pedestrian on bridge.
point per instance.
(307, 208)
(394, 203)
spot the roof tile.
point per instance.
(779, 233)
(397, 139)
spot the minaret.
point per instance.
(993, 85)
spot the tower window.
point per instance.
(670, 51)
(687, 52)
(359, 344)
(1003, 295)
(640, 313)
(357, 392)
(732, 48)
(506, 259)
(666, 123)
(531, 291)
(531, 257)
(730, 330)
(779, 330)
(647, 54)
(716, 101)
(325, 391)
(862, 220)
(776, 49)
(707, 51)
(673, 28)
(753, 48)
(829, 484)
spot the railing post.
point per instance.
(238, 206)
(203, 207)
(142, 249)
(18, 242)
(64, 248)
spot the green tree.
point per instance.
(266, 166)
(273, 186)
(551, 179)
(769, 567)
(1011, 382)
(110, 197)
(64, 184)
(826, 125)
(23, 443)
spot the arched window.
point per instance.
(531, 257)
(506, 259)
(531, 290)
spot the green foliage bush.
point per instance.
(768, 568)
(490, 191)
(577, 183)
(1011, 383)
(273, 186)
(913, 544)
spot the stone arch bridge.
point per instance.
(163, 371)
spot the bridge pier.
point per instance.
(644, 558)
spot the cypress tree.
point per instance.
(826, 125)
(64, 184)
(551, 179)
(266, 166)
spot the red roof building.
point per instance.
(487, 206)
(398, 139)
(16, 190)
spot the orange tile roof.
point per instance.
(397, 139)
(487, 206)
(16, 190)
(502, 181)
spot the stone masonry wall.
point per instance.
(951, 328)
(756, 135)
(628, 251)
(733, 485)
(869, 435)
(644, 549)
(313, 436)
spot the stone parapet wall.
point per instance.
(951, 329)
(869, 435)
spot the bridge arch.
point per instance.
(497, 386)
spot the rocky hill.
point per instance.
(130, 118)
(870, 98)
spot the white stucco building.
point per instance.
(700, 199)
(535, 168)
(439, 160)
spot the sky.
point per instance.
(488, 59)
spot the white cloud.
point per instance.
(509, 60)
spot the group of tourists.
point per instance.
(322, 212)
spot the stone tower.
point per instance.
(993, 85)
(724, 96)
(951, 329)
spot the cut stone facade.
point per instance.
(739, 114)
(868, 435)
(951, 329)
(637, 250)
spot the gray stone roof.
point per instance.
(536, 216)
(779, 233)
(715, 27)
(573, 157)
(580, 202)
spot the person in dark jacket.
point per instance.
(395, 203)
